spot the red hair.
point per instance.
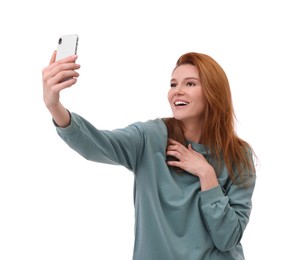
(218, 129)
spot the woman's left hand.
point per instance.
(192, 162)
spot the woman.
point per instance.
(194, 177)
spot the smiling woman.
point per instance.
(199, 214)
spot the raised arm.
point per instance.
(56, 77)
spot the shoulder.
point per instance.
(156, 125)
(153, 130)
(153, 127)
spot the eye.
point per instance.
(190, 84)
(173, 85)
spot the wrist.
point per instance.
(205, 172)
(208, 179)
(60, 115)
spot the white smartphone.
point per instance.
(67, 46)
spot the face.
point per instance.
(185, 96)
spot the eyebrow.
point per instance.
(188, 78)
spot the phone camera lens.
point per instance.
(60, 40)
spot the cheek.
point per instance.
(203, 104)
(200, 99)
(200, 95)
(169, 96)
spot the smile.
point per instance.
(180, 103)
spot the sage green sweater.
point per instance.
(174, 219)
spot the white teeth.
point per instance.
(181, 103)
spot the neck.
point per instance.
(192, 132)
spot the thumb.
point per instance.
(52, 58)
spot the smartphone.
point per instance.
(67, 46)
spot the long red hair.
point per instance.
(218, 129)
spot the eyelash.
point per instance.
(189, 84)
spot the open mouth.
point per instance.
(181, 103)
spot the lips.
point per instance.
(180, 103)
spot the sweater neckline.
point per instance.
(201, 148)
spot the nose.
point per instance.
(179, 90)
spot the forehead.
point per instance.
(185, 71)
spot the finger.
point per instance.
(172, 141)
(172, 147)
(65, 84)
(190, 147)
(174, 164)
(62, 76)
(70, 59)
(64, 64)
(178, 147)
(52, 60)
(48, 73)
(175, 154)
(176, 143)
(68, 83)
(62, 67)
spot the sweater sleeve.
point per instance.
(120, 147)
(226, 213)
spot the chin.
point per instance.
(180, 118)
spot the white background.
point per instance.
(55, 204)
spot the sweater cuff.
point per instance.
(211, 196)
